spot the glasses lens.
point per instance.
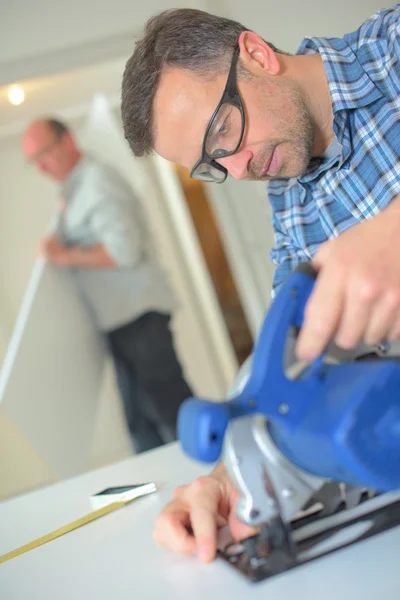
(206, 172)
(223, 137)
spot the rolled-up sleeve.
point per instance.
(116, 219)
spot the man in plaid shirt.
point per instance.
(323, 128)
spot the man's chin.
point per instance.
(295, 170)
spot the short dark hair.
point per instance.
(185, 38)
(57, 127)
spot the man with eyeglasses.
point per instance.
(103, 237)
(322, 128)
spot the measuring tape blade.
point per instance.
(96, 514)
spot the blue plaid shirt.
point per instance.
(363, 71)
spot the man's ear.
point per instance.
(256, 54)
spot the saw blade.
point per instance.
(313, 540)
(334, 497)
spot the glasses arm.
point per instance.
(231, 87)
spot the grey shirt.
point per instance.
(102, 209)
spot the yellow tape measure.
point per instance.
(95, 514)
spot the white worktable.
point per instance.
(115, 556)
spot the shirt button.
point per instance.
(346, 165)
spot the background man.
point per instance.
(102, 236)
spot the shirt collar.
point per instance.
(349, 87)
(349, 84)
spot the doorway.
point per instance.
(215, 257)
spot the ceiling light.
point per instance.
(16, 95)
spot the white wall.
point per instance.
(74, 33)
(286, 22)
(67, 24)
(43, 36)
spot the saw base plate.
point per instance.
(311, 537)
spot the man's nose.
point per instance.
(237, 164)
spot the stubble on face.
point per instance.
(294, 137)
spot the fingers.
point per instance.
(321, 316)
(204, 496)
(348, 313)
(46, 245)
(356, 314)
(357, 293)
(394, 333)
(42, 249)
(383, 323)
(188, 524)
(172, 530)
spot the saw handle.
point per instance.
(202, 424)
(340, 422)
(201, 428)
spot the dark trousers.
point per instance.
(150, 379)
